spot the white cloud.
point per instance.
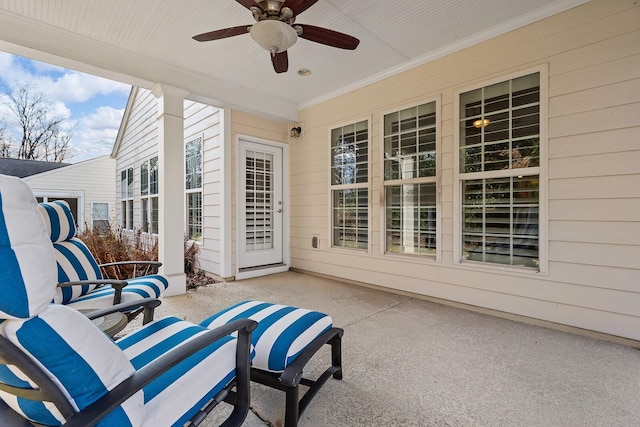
(5, 61)
(95, 134)
(56, 83)
(77, 87)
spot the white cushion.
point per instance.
(27, 260)
(76, 355)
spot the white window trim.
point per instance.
(128, 227)
(543, 245)
(368, 185)
(194, 190)
(108, 211)
(437, 179)
(148, 196)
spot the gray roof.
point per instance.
(23, 168)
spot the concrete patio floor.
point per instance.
(412, 362)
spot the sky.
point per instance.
(92, 107)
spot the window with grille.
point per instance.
(126, 199)
(100, 217)
(350, 185)
(410, 180)
(499, 172)
(193, 188)
(149, 195)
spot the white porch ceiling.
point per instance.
(144, 42)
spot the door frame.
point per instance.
(286, 257)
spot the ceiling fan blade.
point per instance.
(298, 6)
(280, 62)
(328, 37)
(248, 3)
(222, 34)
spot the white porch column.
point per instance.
(171, 185)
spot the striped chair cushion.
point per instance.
(58, 220)
(282, 332)
(140, 287)
(27, 261)
(86, 364)
(75, 262)
(190, 384)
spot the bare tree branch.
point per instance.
(41, 133)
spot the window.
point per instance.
(193, 188)
(410, 180)
(149, 195)
(100, 217)
(126, 198)
(350, 185)
(499, 172)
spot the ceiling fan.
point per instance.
(275, 29)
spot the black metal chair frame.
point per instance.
(292, 377)
(47, 390)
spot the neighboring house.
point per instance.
(504, 176)
(87, 186)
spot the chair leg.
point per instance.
(289, 380)
(336, 355)
(291, 413)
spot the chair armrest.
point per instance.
(117, 285)
(149, 305)
(152, 266)
(96, 411)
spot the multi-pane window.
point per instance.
(410, 180)
(350, 185)
(193, 188)
(126, 198)
(499, 172)
(100, 217)
(149, 195)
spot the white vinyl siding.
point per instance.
(589, 60)
(204, 121)
(88, 181)
(139, 142)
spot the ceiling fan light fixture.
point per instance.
(274, 36)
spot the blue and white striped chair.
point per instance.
(81, 283)
(285, 339)
(58, 368)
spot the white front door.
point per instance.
(260, 205)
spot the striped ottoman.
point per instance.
(284, 341)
